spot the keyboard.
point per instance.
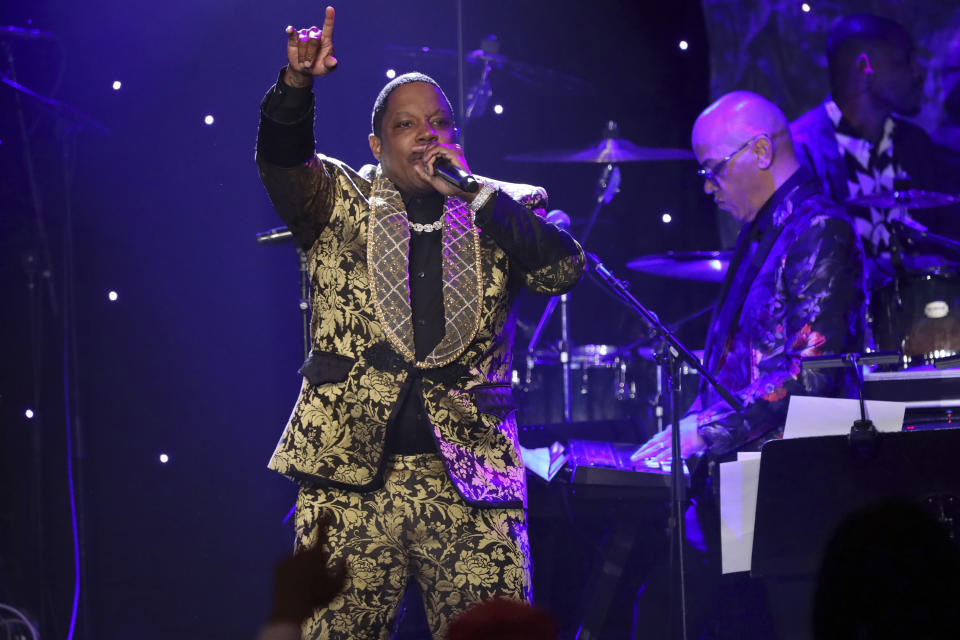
(600, 463)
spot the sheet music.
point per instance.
(809, 416)
(806, 417)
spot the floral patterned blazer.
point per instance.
(794, 288)
(353, 227)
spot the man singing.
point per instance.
(404, 431)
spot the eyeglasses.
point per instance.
(713, 173)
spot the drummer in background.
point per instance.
(794, 288)
(854, 142)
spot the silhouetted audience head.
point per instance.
(502, 619)
(890, 571)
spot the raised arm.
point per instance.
(299, 184)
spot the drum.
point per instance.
(607, 383)
(918, 315)
(600, 385)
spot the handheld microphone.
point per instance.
(456, 176)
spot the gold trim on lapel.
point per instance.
(388, 264)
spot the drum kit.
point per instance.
(603, 381)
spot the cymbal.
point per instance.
(907, 199)
(541, 77)
(705, 266)
(607, 151)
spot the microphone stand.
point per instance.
(283, 235)
(304, 303)
(675, 354)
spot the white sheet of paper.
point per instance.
(738, 506)
(809, 416)
(544, 461)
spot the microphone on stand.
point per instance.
(443, 168)
(277, 235)
(559, 219)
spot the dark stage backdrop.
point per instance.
(197, 356)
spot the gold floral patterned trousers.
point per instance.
(417, 527)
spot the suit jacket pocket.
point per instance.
(494, 399)
(321, 367)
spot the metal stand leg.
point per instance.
(304, 303)
(565, 357)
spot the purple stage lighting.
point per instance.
(684, 45)
(666, 217)
(29, 414)
(805, 7)
(116, 85)
(164, 458)
(208, 119)
(498, 109)
(112, 296)
(391, 73)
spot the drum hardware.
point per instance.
(704, 266)
(917, 310)
(916, 240)
(904, 198)
(487, 57)
(611, 149)
(607, 187)
(603, 380)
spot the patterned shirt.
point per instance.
(870, 169)
(795, 289)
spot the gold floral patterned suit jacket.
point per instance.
(363, 352)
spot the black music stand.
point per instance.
(807, 486)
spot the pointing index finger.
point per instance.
(327, 34)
